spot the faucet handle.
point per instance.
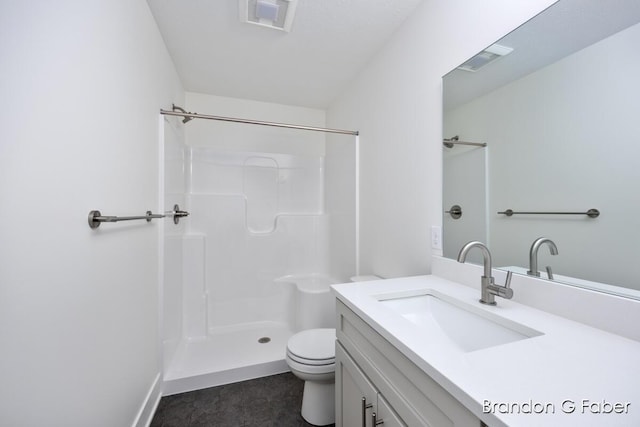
(507, 281)
(505, 291)
(549, 272)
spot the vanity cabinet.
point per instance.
(372, 376)
(360, 402)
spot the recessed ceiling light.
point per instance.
(276, 14)
(485, 57)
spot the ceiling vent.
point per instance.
(276, 14)
(485, 57)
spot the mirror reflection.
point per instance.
(556, 102)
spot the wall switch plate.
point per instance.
(436, 237)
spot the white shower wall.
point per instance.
(256, 196)
(255, 217)
(255, 248)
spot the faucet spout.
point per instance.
(462, 256)
(488, 289)
(533, 254)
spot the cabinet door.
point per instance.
(416, 398)
(385, 416)
(355, 395)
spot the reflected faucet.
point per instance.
(488, 288)
(533, 256)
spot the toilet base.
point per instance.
(318, 402)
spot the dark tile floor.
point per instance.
(270, 401)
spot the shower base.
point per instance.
(228, 354)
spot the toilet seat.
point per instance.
(313, 347)
(306, 371)
(311, 362)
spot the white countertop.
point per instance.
(569, 365)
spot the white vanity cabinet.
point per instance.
(360, 402)
(398, 392)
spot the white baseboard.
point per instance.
(148, 409)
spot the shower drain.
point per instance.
(264, 340)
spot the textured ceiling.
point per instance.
(330, 42)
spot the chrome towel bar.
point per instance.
(449, 143)
(591, 213)
(96, 218)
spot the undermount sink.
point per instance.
(469, 328)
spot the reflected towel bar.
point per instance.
(591, 213)
(449, 143)
(96, 218)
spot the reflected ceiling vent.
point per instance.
(276, 14)
(485, 57)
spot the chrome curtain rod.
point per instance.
(449, 143)
(96, 218)
(591, 213)
(188, 115)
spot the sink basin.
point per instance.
(469, 328)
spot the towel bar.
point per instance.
(96, 218)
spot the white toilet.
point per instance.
(311, 356)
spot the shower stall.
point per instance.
(272, 225)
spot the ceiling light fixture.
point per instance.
(490, 54)
(276, 14)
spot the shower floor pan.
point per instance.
(227, 355)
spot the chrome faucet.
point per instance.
(489, 289)
(533, 256)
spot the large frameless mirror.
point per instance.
(544, 125)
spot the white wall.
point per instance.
(396, 103)
(82, 85)
(569, 147)
(247, 137)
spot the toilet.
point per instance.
(311, 356)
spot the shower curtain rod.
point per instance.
(189, 116)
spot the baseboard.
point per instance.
(148, 409)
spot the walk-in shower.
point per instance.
(273, 223)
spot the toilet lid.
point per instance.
(313, 345)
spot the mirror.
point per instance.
(560, 116)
